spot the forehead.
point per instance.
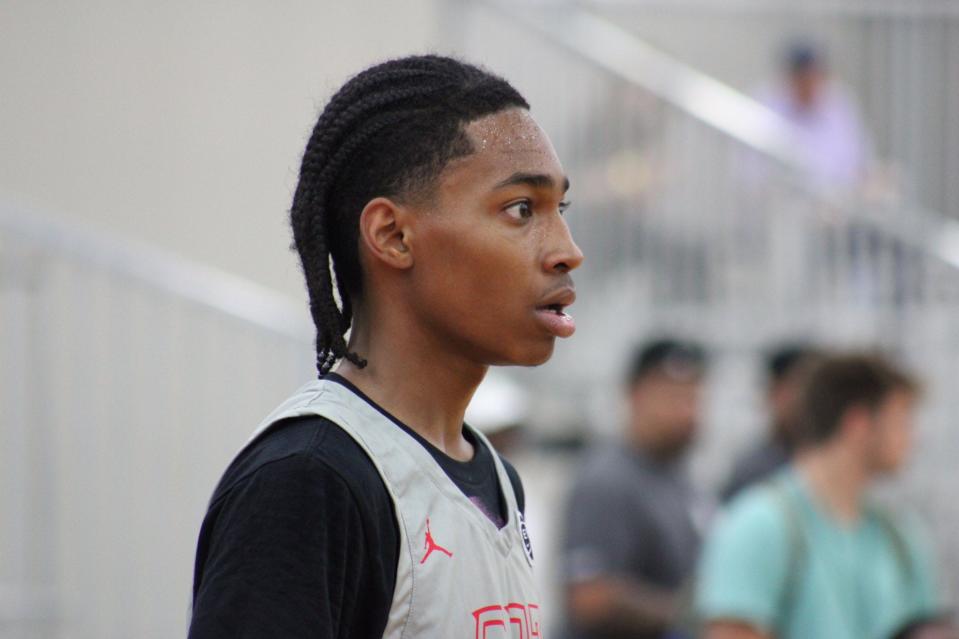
(898, 400)
(504, 143)
(665, 381)
(508, 130)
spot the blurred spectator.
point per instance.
(499, 409)
(808, 554)
(631, 533)
(786, 367)
(830, 138)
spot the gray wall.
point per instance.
(182, 123)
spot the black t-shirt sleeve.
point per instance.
(284, 553)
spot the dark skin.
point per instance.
(457, 279)
(622, 606)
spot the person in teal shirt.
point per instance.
(807, 555)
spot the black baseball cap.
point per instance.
(783, 358)
(802, 56)
(682, 360)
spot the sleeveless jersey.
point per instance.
(457, 574)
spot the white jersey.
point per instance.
(457, 574)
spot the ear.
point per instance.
(857, 422)
(386, 232)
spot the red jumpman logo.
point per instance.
(431, 545)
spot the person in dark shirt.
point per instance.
(633, 522)
(786, 369)
(435, 199)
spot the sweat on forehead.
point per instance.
(504, 129)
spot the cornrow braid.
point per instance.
(389, 131)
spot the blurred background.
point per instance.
(151, 312)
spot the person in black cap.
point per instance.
(787, 367)
(805, 66)
(632, 528)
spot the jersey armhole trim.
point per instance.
(515, 483)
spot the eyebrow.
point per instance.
(536, 180)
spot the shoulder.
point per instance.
(763, 458)
(753, 530)
(759, 510)
(301, 515)
(608, 481)
(746, 560)
(297, 482)
(746, 470)
(610, 478)
(607, 466)
(302, 457)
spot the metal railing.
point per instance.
(900, 58)
(129, 378)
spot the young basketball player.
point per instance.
(364, 507)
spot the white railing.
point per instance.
(900, 58)
(129, 378)
(911, 8)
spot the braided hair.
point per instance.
(389, 131)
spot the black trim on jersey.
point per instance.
(473, 472)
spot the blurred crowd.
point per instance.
(792, 545)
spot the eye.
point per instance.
(564, 206)
(521, 210)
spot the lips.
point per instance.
(552, 314)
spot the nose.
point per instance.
(563, 254)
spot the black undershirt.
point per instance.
(300, 538)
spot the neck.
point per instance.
(837, 478)
(411, 374)
(658, 454)
(781, 435)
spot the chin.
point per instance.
(528, 354)
(537, 361)
(895, 468)
(888, 468)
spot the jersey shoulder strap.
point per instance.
(888, 524)
(796, 550)
(514, 480)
